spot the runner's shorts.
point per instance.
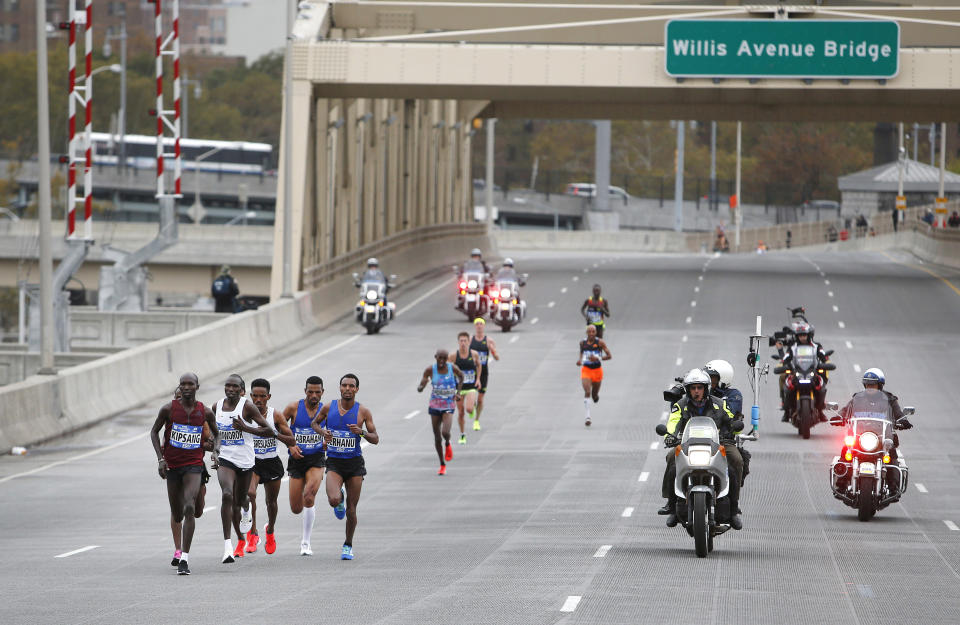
(178, 473)
(439, 413)
(269, 469)
(347, 467)
(594, 375)
(297, 468)
(229, 465)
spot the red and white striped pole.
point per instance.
(83, 95)
(176, 97)
(72, 120)
(158, 67)
(169, 46)
(87, 139)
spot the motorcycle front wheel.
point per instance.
(866, 505)
(804, 418)
(701, 530)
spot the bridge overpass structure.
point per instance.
(384, 94)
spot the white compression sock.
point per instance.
(309, 514)
(183, 556)
(227, 546)
(586, 406)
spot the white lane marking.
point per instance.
(551, 304)
(663, 416)
(822, 275)
(951, 525)
(412, 414)
(684, 339)
(316, 356)
(689, 319)
(563, 290)
(841, 324)
(827, 282)
(643, 476)
(571, 603)
(575, 278)
(856, 368)
(654, 444)
(422, 297)
(513, 339)
(700, 278)
(585, 270)
(849, 344)
(696, 289)
(829, 293)
(534, 321)
(693, 304)
(679, 361)
(82, 549)
(602, 551)
(77, 457)
(627, 512)
(921, 487)
(209, 508)
(595, 265)
(836, 308)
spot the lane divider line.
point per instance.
(836, 308)
(644, 476)
(534, 321)
(700, 278)
(575, 278)
(513, 339)
(77, 457)
(602, 551)
(841, 324)
(571, 603)
(696, 289)
(951, 525)
(315, 357)
(856, 367)
(209, 508)
(684, 339)
(689, 319)
(663, 416)
(82, 549)
(627, 512)
(563, 290)
(679, 361)
(827, 282)
(654, 444)
(422, 297)
(920, 487)
(551, 304)
(829, 293)
(693, 303)
(849, 344)
(412, 414)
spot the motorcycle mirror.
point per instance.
(829, 366)
(779, 369)
(829, 352)
(781, 334)
(356, 276)
(775, 356)
(661, 429)
(888, 444)
(909, 411)
(737, 425)
(832, 405)
(456, 269)
(393, 276)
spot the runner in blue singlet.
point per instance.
(342, 424)
(305, 466)
(446, 380)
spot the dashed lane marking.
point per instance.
(412, 414)
(689, 319)
(827, 282)
(551, 304)
(663, 416)
(575, 278)
(696, 289)
(849, 344)
(684, 339)
(841, 324)
(921, 487)
(421, 298)
(571, 603)
(563, 290)
(627, 512)
(700, 278)
(693, 304)
(836, 308)
(82, 549)
(654, 444)
(856, 368)
(209, 508)
(644, 476)
(585, 270)
(951, 525)
(318, 355)
(829, 293)
(679, 361)
(513, 339)
(534, 321)
(602, 551)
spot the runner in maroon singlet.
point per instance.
(180, 460)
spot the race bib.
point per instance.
(185, 436)
(262, 446)
(308, 440)
(230, 436)
(483, 358)
(595, 316)
(343, 441)
(469, 376)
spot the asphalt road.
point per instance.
(539, 519)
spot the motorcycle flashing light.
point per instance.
(849, 440)
(463, 285)
(848, 455)
(886, 458)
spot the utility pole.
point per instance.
(678, 178)
(713, 165)
(601, 202)
(43, 195)
(488, 186)
(286, 290)
(737, 216)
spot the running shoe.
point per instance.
(340, 510)
(252, 541)
(463, 439)
(228, 557)
(449, 455)
(183, 568)
(587, 422)
(443, 470)
(305, 549)
(476, 425)
(238, 552)
(176, 558)
(271, 545)
(246, 520)
(347, 553)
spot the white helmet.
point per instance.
(720, 368)
(696, 376)
(372, 262)
(874, 375)
(508, 262)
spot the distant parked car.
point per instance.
(822, 205)
(588, 189)
(479, 184)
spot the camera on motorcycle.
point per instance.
(771, 341)
(909, 411)
(779, 369)
(661, 429)
(781, 334)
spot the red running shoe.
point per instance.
(449, 455)
(252, 541)
(271, 545)
(443, 470)
(238, 552)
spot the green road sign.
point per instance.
(782, 48)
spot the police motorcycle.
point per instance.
(864, 476)
(702, 481)
(472, 299)
(373, 312)
(803, 376)
(507, 309)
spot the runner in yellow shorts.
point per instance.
(593, 352)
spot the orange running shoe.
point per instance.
(238, 552)
(271, 545)
(443, 470)
(449, 455)
(252, 541)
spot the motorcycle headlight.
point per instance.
(371, 294)
(505, 293)
(472, 284)
(869, 441)
(699, 456)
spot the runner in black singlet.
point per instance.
(485, 347)
(468, 361)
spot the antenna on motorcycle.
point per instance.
(755, 374)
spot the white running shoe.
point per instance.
(246, 520)
(305, 549)
(228, 557)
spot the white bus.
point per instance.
(234, 157)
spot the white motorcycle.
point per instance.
(507, 309)
(373, 312)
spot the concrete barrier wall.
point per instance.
(43, 407)
(621, 241)
(93, 329)
(18, 364)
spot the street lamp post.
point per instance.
(197, 212)
(122, 124)
(197, 92)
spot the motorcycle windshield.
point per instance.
(700, 429)
(804, 357)
(506, 285)
(372, 288)
(871, 404)
(472, 266)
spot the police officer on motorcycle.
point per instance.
(873, 378)
(697, 402)
(804, 336)
(721, 379)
